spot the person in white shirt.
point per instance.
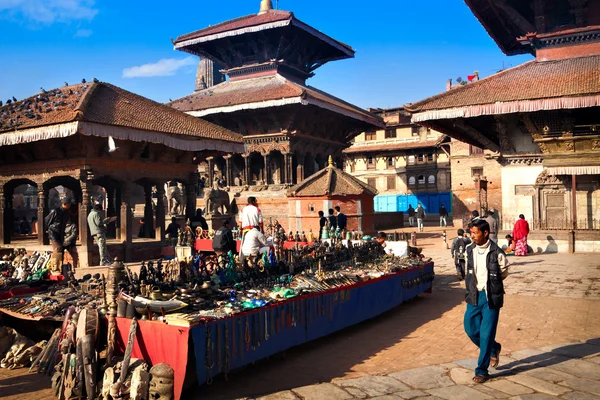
(251, 215)
(486, 268)
(255, 243)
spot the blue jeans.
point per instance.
(480, 325)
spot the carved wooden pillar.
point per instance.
(42, 213)
(246, 168)
(300, 167)
(160, 211)
(266, 169)
(3, 227)
(228, 170)
(574, 200)
(190, 195)
(287, 162)
(211, 170)
(148, 211)
(126, 220)
(111, 211)
(84, 210)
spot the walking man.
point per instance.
(486, 268)
(443, 216)
(97, 224)
(411, 215)
(342, 221)
(420, 216)
(332, 220)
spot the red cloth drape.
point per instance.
(521, 229)
(156, 342)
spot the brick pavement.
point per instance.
(551, 299)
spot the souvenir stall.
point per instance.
(133, 335)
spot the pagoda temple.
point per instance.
(539, 120)
(289, 127)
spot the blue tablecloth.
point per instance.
(224, 345)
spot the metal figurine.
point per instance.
(162, 377)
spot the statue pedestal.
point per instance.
(216, 221)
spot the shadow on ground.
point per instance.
(335, 355)
(554, 357)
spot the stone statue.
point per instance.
(217, 201)
(176, 201)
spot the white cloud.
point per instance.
(49, 11)
(164, 67)
(83, 33)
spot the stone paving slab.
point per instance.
(584, 385)
(322, 391)
(459, 393)
(374, 385)
(580, 396)
(539, 385)
(425, 378)
(287, 395)
(509, 387)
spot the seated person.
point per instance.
(223, 240)
(173, 231)
(511, 245)
(255, 243)
(381, 238)
(199, 220)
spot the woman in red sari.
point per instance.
(520, 232)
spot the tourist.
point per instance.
(332, 220)
(97, 224)
(443, 216)
(421, 214)
(520, 232)
(254, 243)
(381, 238)
(493, 226)
(55, 224)
(34, 226)
(458, 251)
(486, 268)
(69, 243)
(474, 216)
(223, 241)
(322, 223)
(172, 231)
(411, 215)
(342, 220)
(142, 230)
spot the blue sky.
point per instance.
(405, 50)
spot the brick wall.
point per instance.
(464, 192)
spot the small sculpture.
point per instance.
(291, 237)
(310, 236)
(297, 237)
(161, 382)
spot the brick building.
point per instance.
(326, 189)
(539, 119)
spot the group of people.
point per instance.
(23, 227)
(335, 220)
(420, 215)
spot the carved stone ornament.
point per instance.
(596, 144)
(543, 147)
(570, 145)
(545, 179)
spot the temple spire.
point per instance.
(330, 161)
(265, 6)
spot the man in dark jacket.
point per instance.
(443, 216)
(69, 243)
(223, 240)
(342, 221)
(486, 268)
(332, 220)
(55, 224)
(172, 231)
(322, 223)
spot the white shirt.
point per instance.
(480, 264)
(251, 216)
(253, 241)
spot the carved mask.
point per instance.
(161, 382)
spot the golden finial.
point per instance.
(265, 5)
(330, 161)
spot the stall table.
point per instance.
(223, 345)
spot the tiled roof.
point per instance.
(331, 181)
(249, 24)
(366, 148)
(534, 80)
(238, 23)
(104, 103)
(265, 92)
